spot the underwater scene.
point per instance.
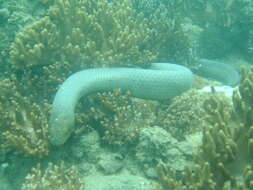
(126, 95)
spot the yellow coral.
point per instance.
(23, 123)
(227, 144)
(76, 35)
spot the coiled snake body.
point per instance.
(161, 81)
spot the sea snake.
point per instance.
(159, 82)
(224, 73)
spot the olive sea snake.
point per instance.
(159, 82)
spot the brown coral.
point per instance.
(56, 177)
(227, 144)
(183, 115)
(120, 117)
(77, 35)
(23, 122)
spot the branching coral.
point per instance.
(227, 145)
(218, 134)
(57, 177)
(23, 122)
(183, 115)
(195, 178)
(120, 116)
(77, 35)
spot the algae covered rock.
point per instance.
(87, 146)
(155, 145)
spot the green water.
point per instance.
(120, 141)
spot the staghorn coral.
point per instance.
(57, 177)
(120, 117)
(226, 152)
(77, 35)
(23, 123)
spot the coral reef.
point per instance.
(210, 29)
(178, 36)
(193, 178)
(146, 6)
(224, 160)
(120, 116)
(57, 177)
(183, 115)
(77, 35)
(23, 123)
(59, 37)
(152, 148)
(14, 15)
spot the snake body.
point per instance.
(219, 71)
(159, 82)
